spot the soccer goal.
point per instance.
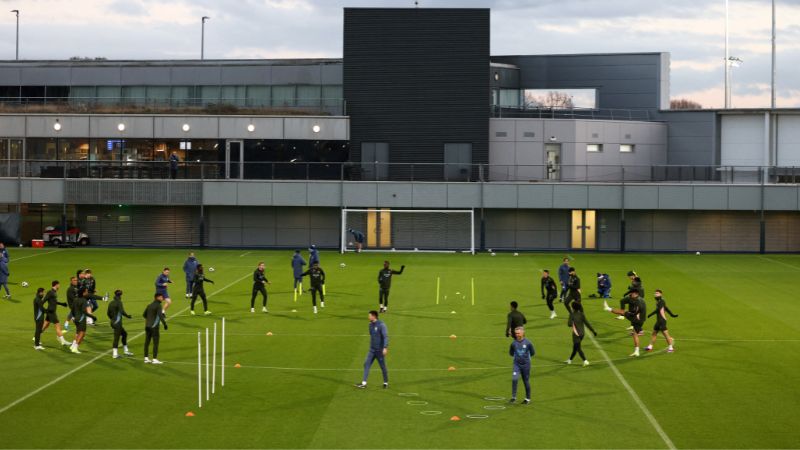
(423, 230)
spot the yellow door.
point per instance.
(379, 228)
(583, 232)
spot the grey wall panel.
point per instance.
(604, 197)
(196, 75)
(394, 195)
(44, 76)
(259, 236)
(535, 196)
(238, 75)
(43, 191)
(220, 192)
(692, 137)
(9, 191)
(608, 230)
(258, 217)
(428, 195)
(669, 240)
(265, 127)
(640, 197)
(148, 76)
(199, 127)
(744, 197)
(781, 198)
(225, 237)
(95, 76)
(253, 194)
(289, 194)
(463, 195)
(325, 194)
(71, 126)
(11, 76)
(570, 196)
(356, 195)
(711, 197)
(675, 197)
(783, 232)
(500, 196)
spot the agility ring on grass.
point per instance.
(477, 416)
(416, 403)
(430, 413)
(494, 407)
(494, 399)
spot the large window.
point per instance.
(560, 98)
(283, 95)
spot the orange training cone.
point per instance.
(237, 365)
(455, 418)
(189, 414)
(451, 368)
(269, 333)
(452, 336)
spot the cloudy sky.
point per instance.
(691, 30)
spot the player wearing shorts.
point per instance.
(51, 315)
(635, 314)
(549, 292)
(81, 313)
(162, 282)
(661, 312)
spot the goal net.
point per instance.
(446, 230)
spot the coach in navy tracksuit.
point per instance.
(378, 348)
(189, 268)
(563, 276)
(522, 351)
(297, 268)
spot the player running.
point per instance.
(515, 320)
(72, 294)
(358, 238)
(189, 269)
(259, 287)
(115, 314)
(385, 282)
(38, 318)
(162, 282)
(51, 316)
(522, 351)
(635, 314)
(577, 321)
(378, 349)
(549, 292)
(313, 255)
(199, 290)
(317, 277)
(661, 312)
(573, 289)
(297, 270)
(153, 316)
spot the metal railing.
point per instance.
(435, 172)
(527, 112)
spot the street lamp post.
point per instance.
(16, 11)
(203, 36)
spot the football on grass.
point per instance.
(24, 284)
(211, 269)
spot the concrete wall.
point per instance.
(170, 126)
(517, 143)
(692, 137)
(273, 227)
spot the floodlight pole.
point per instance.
(203, 36)
(772, 85)
(16, 11)
(727, 62)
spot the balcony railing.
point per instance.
(527, 112)
(435, 172)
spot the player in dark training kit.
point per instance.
(549, 292)
(199, 290)
(153, 316)
(636, 285)
(162, 283)
(72, 294)
(661, 312)
(38, 318)
(259, 287)
(51, 316)
(81, 313)
(317, 277)
(115, 314)
(522, 351)
(515, 320)
(378, 349)
(636, 314)
(563, 276)
(573, 289)
(577, 322)
(385, 282)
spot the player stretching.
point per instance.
(549, 292)
(573, 289)
(51, 316)
(81, 313)
(153, 316)
(635, 314)
(385, 282)
(297, 270)
(259, 283)
(378, 348)
(162, 282)
(115, 314)
(515, 320)
(576, 322)
(358, 237)
(38, 318)
(661, 312)
(313, 255)
(317, 277)
(522, 351)
(199, 290)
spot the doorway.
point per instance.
(234, 160)
(379, 228)
(553, 160)
(584, 231)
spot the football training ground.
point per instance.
(732, 381)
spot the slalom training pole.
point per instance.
(437, 290)
(223, 352)
(214, 362)
(208, 387)
(472, 287)
(199, 374)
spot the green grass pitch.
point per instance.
(731, 383)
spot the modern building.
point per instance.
(551, 151)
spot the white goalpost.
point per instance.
(405, 230)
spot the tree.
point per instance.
(684, 103)
(553, 99)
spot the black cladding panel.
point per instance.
(416, 79)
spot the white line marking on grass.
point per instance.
(244, 254)
(38, 254)
(780, 262)
(634, 396)
(101, 355)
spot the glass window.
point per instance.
(332, 95)
(283, 95)
(258, 96)
(134, 94)
(209, 94)
(509, 97)
(233, 95)
(108, 94)
(181, 95)
(309, 95)
(626, 148)
(594, 148)
(561, 98)
(158, 94)
(80, 94)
